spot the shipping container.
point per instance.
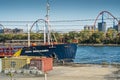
(43, 64)
(15, 63)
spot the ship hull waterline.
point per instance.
(57, 51)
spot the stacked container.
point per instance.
(43, 64)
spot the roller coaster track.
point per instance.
(102, 12)
(39, 20)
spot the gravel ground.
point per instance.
(92, 72)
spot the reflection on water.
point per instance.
(91, 54)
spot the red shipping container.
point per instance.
(44, 64)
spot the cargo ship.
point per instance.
(65, 51)
(57, 51)
(62, 51)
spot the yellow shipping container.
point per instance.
(15, 63)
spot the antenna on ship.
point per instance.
(47, 21)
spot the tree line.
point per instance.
(83, 37)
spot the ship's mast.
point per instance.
(47, 22)
(28, 35)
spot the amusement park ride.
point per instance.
(102, 13)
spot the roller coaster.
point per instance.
(41, 23)
(102, 13)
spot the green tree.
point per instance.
(84, 36)
(97, 37)
(111, 36)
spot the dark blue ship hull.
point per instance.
(58, 51)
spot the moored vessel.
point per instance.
(57, 51)
(62, 51)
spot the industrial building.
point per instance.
(8, 31)
(102, 26)
(1, 30)
(89, 27)
(117, 27)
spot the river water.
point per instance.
(97, 55)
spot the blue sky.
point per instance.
(31, 10)
(60, 9)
